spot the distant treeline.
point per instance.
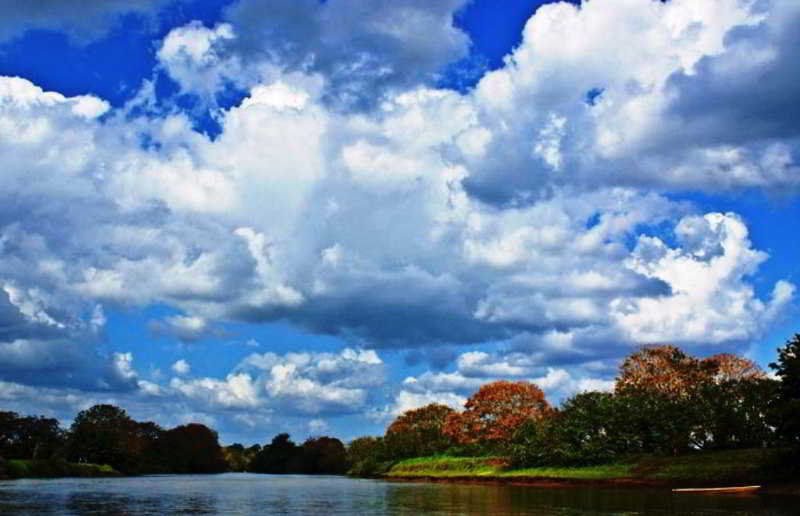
(105, 434)
(664, 402)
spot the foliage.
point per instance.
(419, 432)
(103, 434)
(278, 457)
(676, 403)
(192, 448)
(494, 413)
(29, 437)
(324, 456)
(735, 413)
(21, 468)
(238, 457)
(663, 369)
(728, 367)
(787, 401)
(318, 455)
(584, 432)
(367, 456)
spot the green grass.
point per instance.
(18, 468)
(602, 472)
(729, 465)
(444, 466)
(707, 468)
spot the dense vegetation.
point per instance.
(665, 403)
(105, 440)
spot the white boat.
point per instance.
(739, 489)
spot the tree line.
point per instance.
(105, 434)
(664, 402)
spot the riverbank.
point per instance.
(708, 469)
(15, 468)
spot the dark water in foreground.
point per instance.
(241, 493)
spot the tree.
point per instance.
(665, 369)
(735, 413)
(729, 367)
(677, 402)
(102, 434)
(786, 409)
(30, 437)
(366, 448)
(193, 448)
(280, 456)
(419, 432)
(324, 456)
(493, 414)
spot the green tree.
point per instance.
(30, 437)
(103, 434)
(324, 456)
(280, 456)
(419, 432)
(193, 448)
(786, 409)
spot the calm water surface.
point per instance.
(242, 493)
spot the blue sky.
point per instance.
(310, 216)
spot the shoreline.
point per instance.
(777, 488)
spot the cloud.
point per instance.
(295, 383)
(185, 328)
(363, 49)
(347, 196)
(181, 367)
(84, 20)
(665, 113)
(710, 301)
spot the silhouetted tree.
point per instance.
(786, 409)
(324, 455)
(280, 456)
(30, 437)
(192, 448)
(103, 434)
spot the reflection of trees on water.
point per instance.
(500, 500)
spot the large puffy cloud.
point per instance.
(605, 93)
(521, 212)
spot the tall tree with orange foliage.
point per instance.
(493, 414)
(664, 369)
(729, 367)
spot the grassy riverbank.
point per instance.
(13, 469)
(708, 469)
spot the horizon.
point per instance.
(310, 216)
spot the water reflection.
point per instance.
(265, 494)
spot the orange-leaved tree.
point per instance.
(677, 402)
(418, 432)
(493, 414)
(664, 369)
(729, 367)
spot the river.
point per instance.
(242, 493)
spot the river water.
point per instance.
(242, 493)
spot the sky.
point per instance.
(309, 216)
